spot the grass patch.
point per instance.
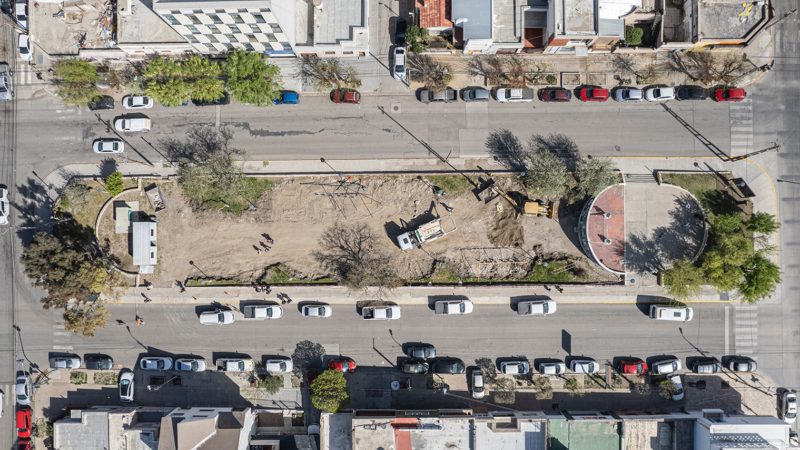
(83, 199)
(106, 378)
(234, 203)
(200, 282)
(271, 383)
(710, 191)
(552, 272)
(452, 184)
(77, 377)
(281, 274)
(557, 271)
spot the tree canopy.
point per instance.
(329, 391)
(172, 82)
(683, 279)
(545, 175)
(593, 175)
(251, 78)
(76, 81)
(328, 73)
(86, 319)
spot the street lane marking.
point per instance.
(727, 330)
(63, 347)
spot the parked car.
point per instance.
(132, 124)
(659, 94)
(476, 383)
(445, 95)
(278, 365)
(592, 94)
(475, 94)
(97, 361)
(344, 95)
(399, 63)
(224, 100)
(5, 83)
(287, 98)
(584, 365)
(235, 364)
(631, 365)
(448, 366)
(24, 46)
(21, 14)
(555, 94)
(24, 423)
(513, 95)
(342, 364)
(628, 94)
(742, 364)
(23, 388)
(65, 362)
(155, 363)
(552, 368)
(453, 307)
(217, 317)
(24, 444)
(691, 93)
(190, 364)
(126, 386)
(108, 145)
(515, 367)
(4, 204)
(729, 94)
(2, 402)
(665, 366)
(317, 310)
(677, 387)
(672, 313)
(416, 366)
(390, 312)
(399, 31)
(543, 307)
(788, 410)
(422, 351)
(101, 102)
(137, 102)
(706, 365)
(262, 312)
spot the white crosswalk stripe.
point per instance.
(745, 329)
(741, 121)
(62, 339)
(24, 74)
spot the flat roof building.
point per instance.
(145, 245)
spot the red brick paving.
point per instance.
(612, 201)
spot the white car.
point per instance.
(132, 124)
(262, 312)
(108, 145)
(536, 308)
(235, 364)
(391, 312)
(453, 307)
(552, 368)
(677, 390)
(2, 402)
(278, 365)
(217, 317)
(789, 407)
(518, 367)
(5, 82)
(659, 94)
(584, 365)
(628, 94)
(477, 384)
(4, 204)
(126, 386)
(23, 388)
(21, 14)
(672, 313)
(666, 366)
(399, 63)
(24, 47)
(317, 310)
(137, 102)
(155, 363)
(190, 365)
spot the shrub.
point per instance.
(633, 36)
(77, 377)
(271, 384)
(114, 183)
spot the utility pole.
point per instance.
(775, 146)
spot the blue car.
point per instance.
(287, 98)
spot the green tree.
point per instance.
(545, 175)
(761, 276)
(271, 384)
(251, 78)
(683, 279)
(76, 81)
(417, 39)
(724, 224)
(86, 319)
(721, 272)
(115, 183)
(593, 175)
(633, 36)
(172, 82)
(763, 223)
(329, 391)
(666, 389)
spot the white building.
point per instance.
(145, 246)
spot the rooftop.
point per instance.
(434, 13)
(143, 25)
(504, 16)
(65, 28)
(335, 19)
(584, 434)
(511, 433)
(728, 19)
(474, 17)
(578, 17)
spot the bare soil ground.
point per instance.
(488, 239)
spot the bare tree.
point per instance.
(709, 68)
(517, 71)
(489, 67)
(558, 144)
(433, 74)
(351, 254)
(327, 73)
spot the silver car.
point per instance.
(137, 102)
(217, 317)
(317, 311)
(190, 365)
(65, 362)
(517, 367)
(5, 82)
(155, 363)
(628, 94)
(584, 365)
(659, 94)
(126, 386)
(278, 365)
(536, 307)
(23, 388)
(552, 368)
(4, 206)
(108, 145)
(476, 384)
(132, 124)
(399, 63)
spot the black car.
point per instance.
(224, 100)
(422, 351)
(691, 93)
(97, 361)
(418, 366)
(101, 102)
(400, 31)
(448, 366)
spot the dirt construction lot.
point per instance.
(489, 241)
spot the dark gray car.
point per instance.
(448, 366)
(423, 351)
(97, 361)
(417, 366)
(475, 94)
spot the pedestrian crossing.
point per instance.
(62, 339)
(24, 75)
(745, 330)
(741, 120)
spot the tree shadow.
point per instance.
(107, 166)
(506, 148)
(307, 355)
(35, 206)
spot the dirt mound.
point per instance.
(507, 230)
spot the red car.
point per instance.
(346, 96)
(24, 444)
(729, 94)
(593, 94)
(342, 365)
(634, 366)
(554, 94)
(24, 423)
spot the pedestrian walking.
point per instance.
(547, 288)
(559, 289)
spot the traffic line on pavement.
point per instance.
(745, 329)
(741, 123)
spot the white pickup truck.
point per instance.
(380, 312)
(262, 312)
(453, 307)
(508, 94)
